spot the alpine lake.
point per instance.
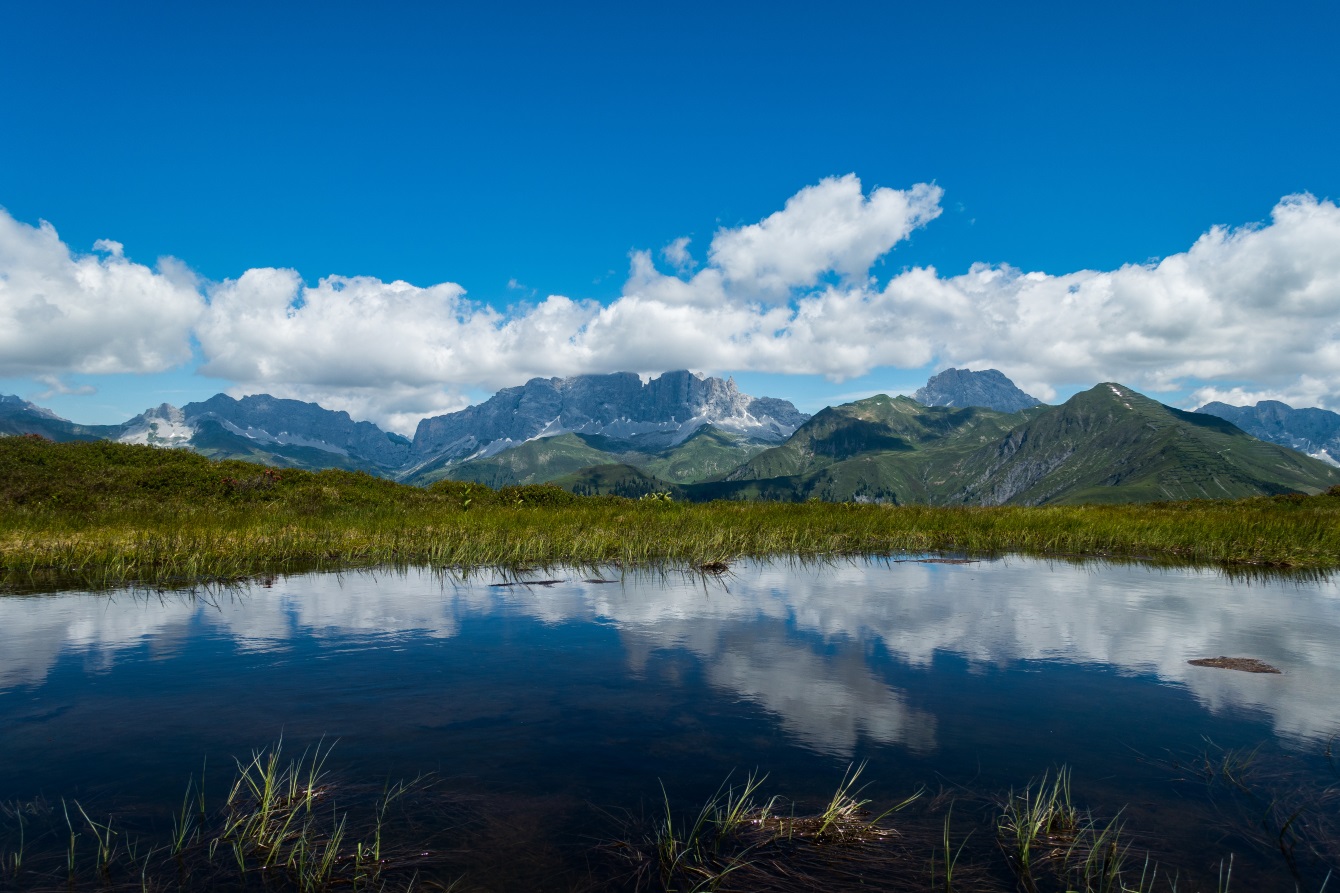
(904, 723)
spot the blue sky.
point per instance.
(521, 151)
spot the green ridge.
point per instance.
(1106, 445)
(1112, 444)
(708, 452)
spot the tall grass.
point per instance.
(109, 514)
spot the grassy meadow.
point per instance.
(103, 513)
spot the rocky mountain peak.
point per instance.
(274, 420)
(962, 387)
(163, 425)
(665, 409)
(10, 403)
(1313, 431)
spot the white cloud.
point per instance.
(393, 351)
(677, 254)
(56, 387)
(389, 351)
(1306, 390)
(828, 227)
(1244, 313)
(61, 312)
(1258, 304)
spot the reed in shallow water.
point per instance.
(291, 824)
(106, 514)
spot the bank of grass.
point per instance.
(111, 514)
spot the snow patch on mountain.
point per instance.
(163, 425)
(284, 438)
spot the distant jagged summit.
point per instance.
(12, 405)
(961, 387)
(667, 410)
(225, 427)
(1312, 431)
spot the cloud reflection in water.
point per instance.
(792, 640)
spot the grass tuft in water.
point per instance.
(945, 881)
(1038, 826)
(279, 829)
(739, 840)
(284, 826)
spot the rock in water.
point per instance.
(1245, 664)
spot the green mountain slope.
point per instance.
(885, 449)
(533, 462)
(617, 480)
(1112, 444)
(706, 453)
(1108, 444)
(19, 417)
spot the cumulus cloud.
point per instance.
(395, 352)
(1243, 314)
(63, 312)
(1257, 304)
(827, 228)
(677, 254)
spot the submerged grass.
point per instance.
(278, 829)
(292, 825)
(104, 514)
(739, 841)
(1050, 844)
(1261, 800)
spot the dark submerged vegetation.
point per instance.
(106, 514)
(285, 824)
(293, 824)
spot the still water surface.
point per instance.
(581, 698)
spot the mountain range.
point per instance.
(968, 438)
(612, 414)
(687, 426)
(1312, 431)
